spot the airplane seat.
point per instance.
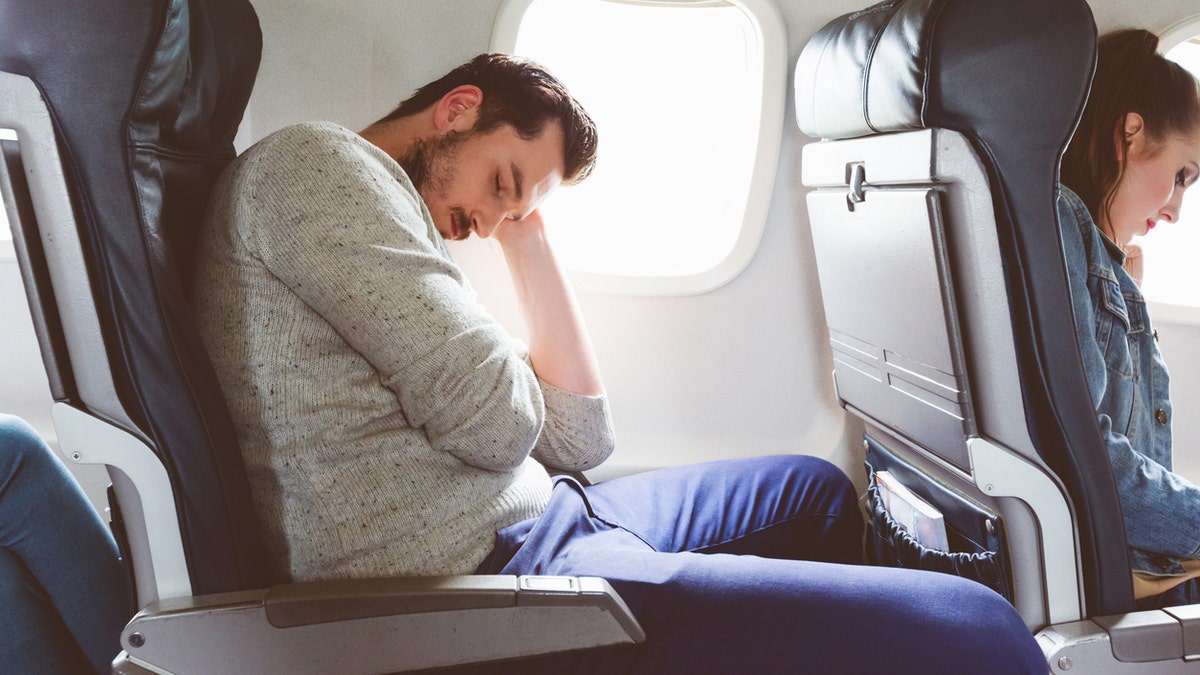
(142, 125)
(933, 211)
(115, 120)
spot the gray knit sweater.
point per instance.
(389, 425)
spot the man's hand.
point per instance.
(517, 233)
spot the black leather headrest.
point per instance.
(956, 64)
(141, 91)
(865, 72)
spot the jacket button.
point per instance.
(1161, 416)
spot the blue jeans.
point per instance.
(750, 566)
(64, 592)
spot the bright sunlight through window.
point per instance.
(1171, 275)
(688, 98)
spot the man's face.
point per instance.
(473, 181)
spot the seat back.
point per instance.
(124, 114)
(941, 269)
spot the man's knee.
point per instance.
(21, 449)
(987, 629)
(817, 478)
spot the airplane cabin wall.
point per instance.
(1156, 16)
(24, 388)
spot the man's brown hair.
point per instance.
(520, 93)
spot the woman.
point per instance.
(1136, 151)
(64, 591)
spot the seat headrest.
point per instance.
(865, 72)
(910, 64)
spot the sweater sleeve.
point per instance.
(338, 222)
(578, 433)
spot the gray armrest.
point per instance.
(1158, 642)
(375, 625)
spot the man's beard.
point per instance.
(431, 164)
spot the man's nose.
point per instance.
(486, 223)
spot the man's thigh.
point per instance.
(786, 506)
(723, 613)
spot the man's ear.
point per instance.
(458, 109)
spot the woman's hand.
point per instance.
(1146, 585)
(1133, 262)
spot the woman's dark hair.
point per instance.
(518, 92)
(1131, 76)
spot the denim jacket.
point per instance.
(1128, 381)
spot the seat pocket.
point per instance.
(976, 537)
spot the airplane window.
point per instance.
(689, 99)
(1170, 275)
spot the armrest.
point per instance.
(1157, 641)
(375, 625)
